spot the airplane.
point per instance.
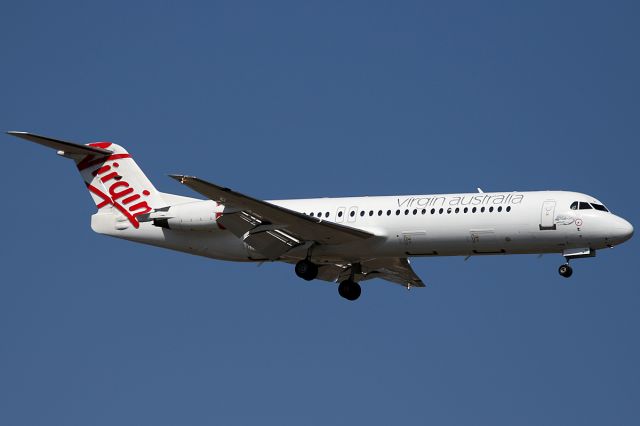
(342, 240)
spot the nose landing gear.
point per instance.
(574, 253)
(565, 270)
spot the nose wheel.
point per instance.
(565, 270)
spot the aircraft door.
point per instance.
(547, 215)
(340, 214)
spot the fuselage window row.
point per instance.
(449, 210)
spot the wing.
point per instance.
(397, 270)
(270, 229)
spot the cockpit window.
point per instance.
(587, 206)
(599, 207)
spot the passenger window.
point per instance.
(397, 212)
(473, 210)
(433, 211)
(361, 213)
(424, 211)
(449, 210)
(352, 214)
(311, 214)
(466, 209)
(406, 212)
(388, 212)
(441, 210)
(491, 209)
(326, 214)
(370, 212)
(457, 209)
(482, 210)
(415, 212)
(320, 214)
(379, 212)
(574, 205)
(500, 208)
(508, 208)
(585, 206)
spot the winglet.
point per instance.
(60, 145)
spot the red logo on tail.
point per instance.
(120, 195)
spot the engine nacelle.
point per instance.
(187, 217)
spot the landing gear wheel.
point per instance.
(307, 270)
(349, 289)
(565, 270)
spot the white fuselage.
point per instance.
(343, 240)
(419, 225)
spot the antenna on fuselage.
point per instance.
(480, 190)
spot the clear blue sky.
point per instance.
(288, 100)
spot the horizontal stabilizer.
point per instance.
(66, 147)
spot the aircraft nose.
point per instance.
(623, 230)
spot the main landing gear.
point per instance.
(349, 289)
(565, 270)
(307, 270)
